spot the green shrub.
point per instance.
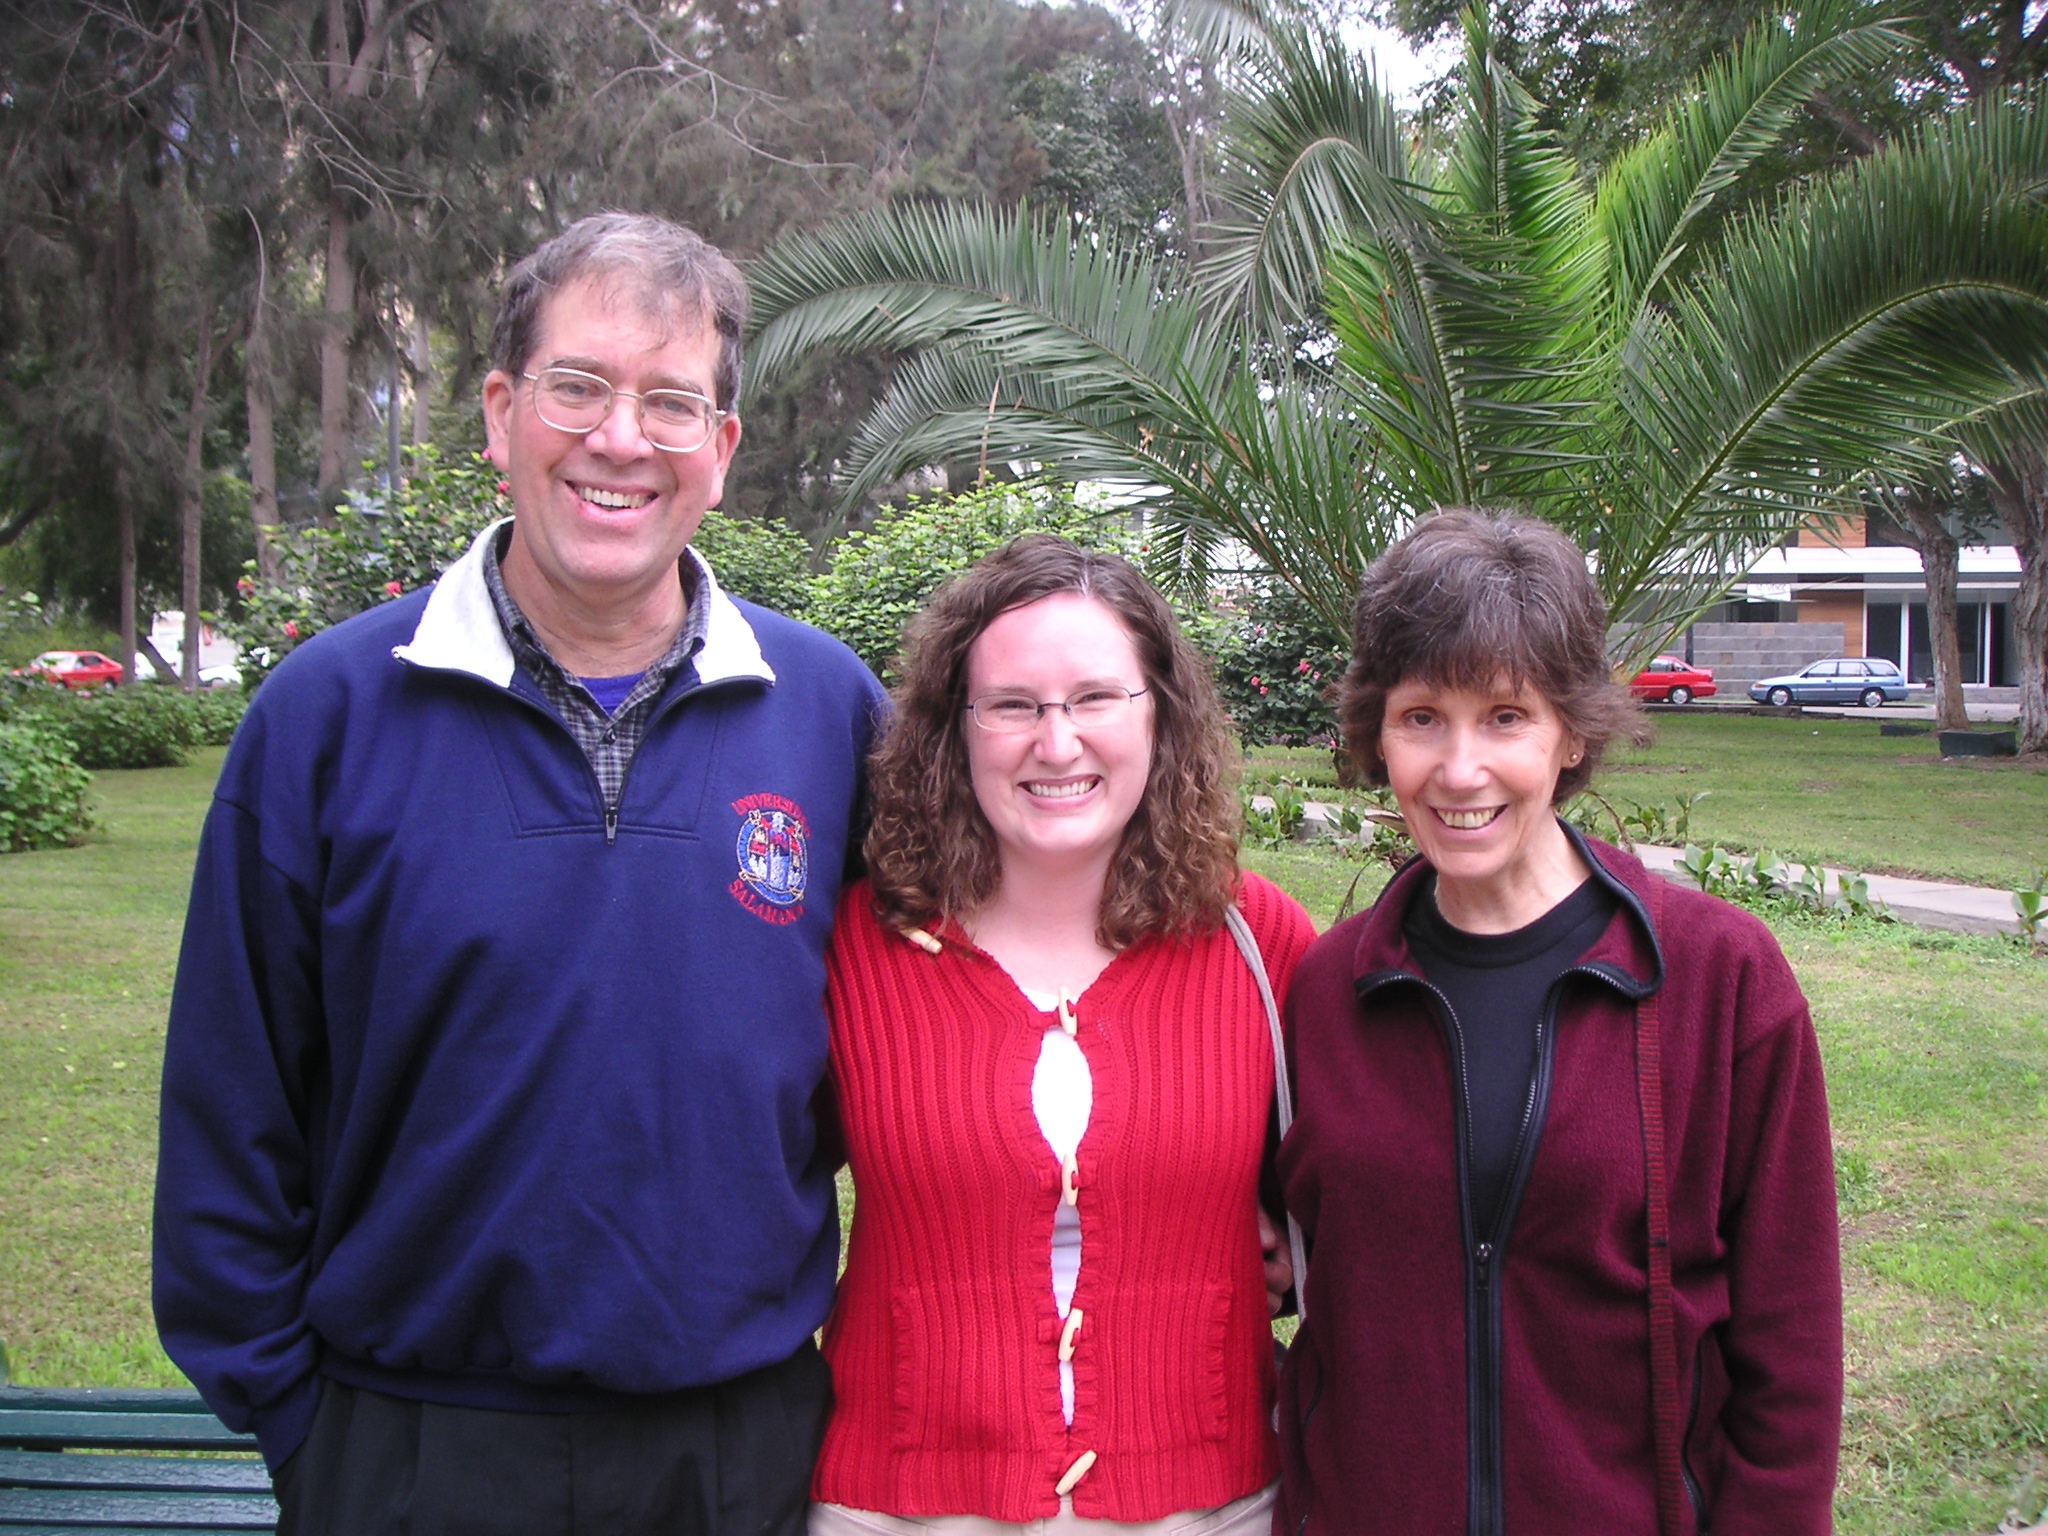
(378, 549)
(762, 559)
(42, 790)
(1273, 662)
(142, 725)
(881, 576)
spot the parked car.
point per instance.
(1667, 680)
(74, 669)
(1865, 680)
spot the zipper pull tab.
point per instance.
(1484, 1255)
(611, 825)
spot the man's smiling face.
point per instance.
(603, 516)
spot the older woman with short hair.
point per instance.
(1054, 1067)
(1562, 1144)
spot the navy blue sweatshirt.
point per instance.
(467, 1102)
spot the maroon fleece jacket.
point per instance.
(1426, 1394)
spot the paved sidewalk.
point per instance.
(1924, 903)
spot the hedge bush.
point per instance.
(880, 576)
(1274, 661)
(762, 559)
(138, 725)
(43, 800)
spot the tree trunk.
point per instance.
(1939, 557)
(256, 390)
(191, 493)
(335, 340)
(127, 555)
(2018, 479)
(422, 380)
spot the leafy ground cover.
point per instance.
(1807, 789)
(1936, 1045)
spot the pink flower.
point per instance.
(504, 487)
(393, 588)
(291, 629)
(1255, 684)
(1262, 692)
(245, 586)
(1304, 665)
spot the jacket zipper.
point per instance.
(610, 808)
(1692, 1419)
(1485, 1259)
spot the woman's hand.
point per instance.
(1279, 1264)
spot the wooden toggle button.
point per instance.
(1067, 1334)
(1074, 1474)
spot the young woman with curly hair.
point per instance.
(1053, 1070)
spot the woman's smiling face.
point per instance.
(1059, 795)
(1474, 771)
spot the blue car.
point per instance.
(1865, 680)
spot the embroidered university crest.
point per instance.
(774, 856)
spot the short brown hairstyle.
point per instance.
(930, 851)
(1469, 598)
(665, 268)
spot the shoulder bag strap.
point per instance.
(1283, 1094)
(1663, 1328)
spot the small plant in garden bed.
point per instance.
(1766, 883)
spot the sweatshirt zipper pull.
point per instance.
(611, 825)
(1484, 1254)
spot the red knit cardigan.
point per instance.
(944, 1341)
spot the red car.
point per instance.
(1667, 680)
(74, 669)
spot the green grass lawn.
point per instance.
(1832, 790)
(88, 940)
(1936, 1046)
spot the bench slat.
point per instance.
(105, 1399)
(100, 1429)
(147, 1511)
(54, 1469)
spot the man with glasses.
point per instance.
(490, 1192)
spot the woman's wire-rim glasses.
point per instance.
(673, 420)
(1012, 714)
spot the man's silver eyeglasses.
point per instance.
(674, 420)
(1012, 714)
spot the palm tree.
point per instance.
(1674, 368)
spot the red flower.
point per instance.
(245, 586)
(393, 588)
(291, 629)
(1304, 665)
(504, 487)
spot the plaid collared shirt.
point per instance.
(608, 740)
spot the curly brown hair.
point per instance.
(931, 854)
(1469, 598)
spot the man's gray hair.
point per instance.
(664, 266)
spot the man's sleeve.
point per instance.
(244, 1062)
(1782, 1345)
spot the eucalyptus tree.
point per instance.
(1674, 372)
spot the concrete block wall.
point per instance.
(1739, 654)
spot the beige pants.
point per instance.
(1251, 1515)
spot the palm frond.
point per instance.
(1659, 203)
(904, 278)
(1313, 157)
(1849, 329)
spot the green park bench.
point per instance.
(103, 1459)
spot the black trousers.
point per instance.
(731, 1458)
